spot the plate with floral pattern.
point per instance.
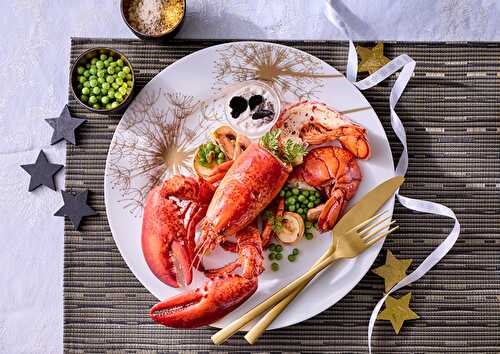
(174, 113)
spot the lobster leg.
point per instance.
(218, 296)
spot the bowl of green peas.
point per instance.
(102, 80)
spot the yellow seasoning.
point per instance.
(154, 17)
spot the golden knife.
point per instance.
(365, 208)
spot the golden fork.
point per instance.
(355, 241)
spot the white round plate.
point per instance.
(157, 136)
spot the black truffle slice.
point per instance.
(254, 101)
(238, 105)
(262, 114)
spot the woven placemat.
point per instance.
(451, 112)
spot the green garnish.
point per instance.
(275, 267)
(270, 141)
(275, 221)
(293, 151)
(209, 153)
(290, 153)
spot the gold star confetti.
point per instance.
(397, 311)
(371, 59)
(393, 270)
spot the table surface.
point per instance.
(33, 70)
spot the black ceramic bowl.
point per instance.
(82, 60)
(160, 38)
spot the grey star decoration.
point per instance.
(64, 127)
(42, 172)
(75, 207)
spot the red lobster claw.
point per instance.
(164, 241)
(205, 305)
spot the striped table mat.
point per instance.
(451, 110)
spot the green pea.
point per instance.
(96, 106)
(92, 77)
(221, 156)
(275, 267)
(308, 224)
(105, 85)
(271, 256)
(301, 198)
(108, 106)
(122, 90)
(126, 69)
(220, 161)
(101, 80)
(291, 208)
(295, 191)
(119, 99)
(217, 149)
(318, 194)
(103, 56)
(271, 246)
(84, 98)
(111, 70)
(129, 83)
(106, 63)
(93, 71)
(295, 251)
(278, 248)
(282, 193)
(210, 146)
(309, 236)
(115, 85)
(101, 74)
(93, 83)
(119, 62)
(92, 99)
(104, 92)
(278, 256)
(113, 63)
(114, 104)
(288, 194)
(105, 99)
(86, 84)
(291, 201)
(305, 192)
(300, 211)
(119, 80)
(111, 93)
(312, 198)
(80, 70)
(121, 74)
(85, 90)
(110, 79)
(96, 90)
(82, 79)
(93, 61)
(291, 258)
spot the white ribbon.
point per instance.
(408, 66)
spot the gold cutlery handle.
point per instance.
(235, 326)
(254, 333)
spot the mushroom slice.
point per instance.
(293, 228)
(230, 142)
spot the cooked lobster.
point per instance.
(245, 188)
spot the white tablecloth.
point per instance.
(33, 76)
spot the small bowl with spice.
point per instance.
(102, 80)
(253, 108)
(155, 20)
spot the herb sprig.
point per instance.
(290, 153)
(275, 221)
